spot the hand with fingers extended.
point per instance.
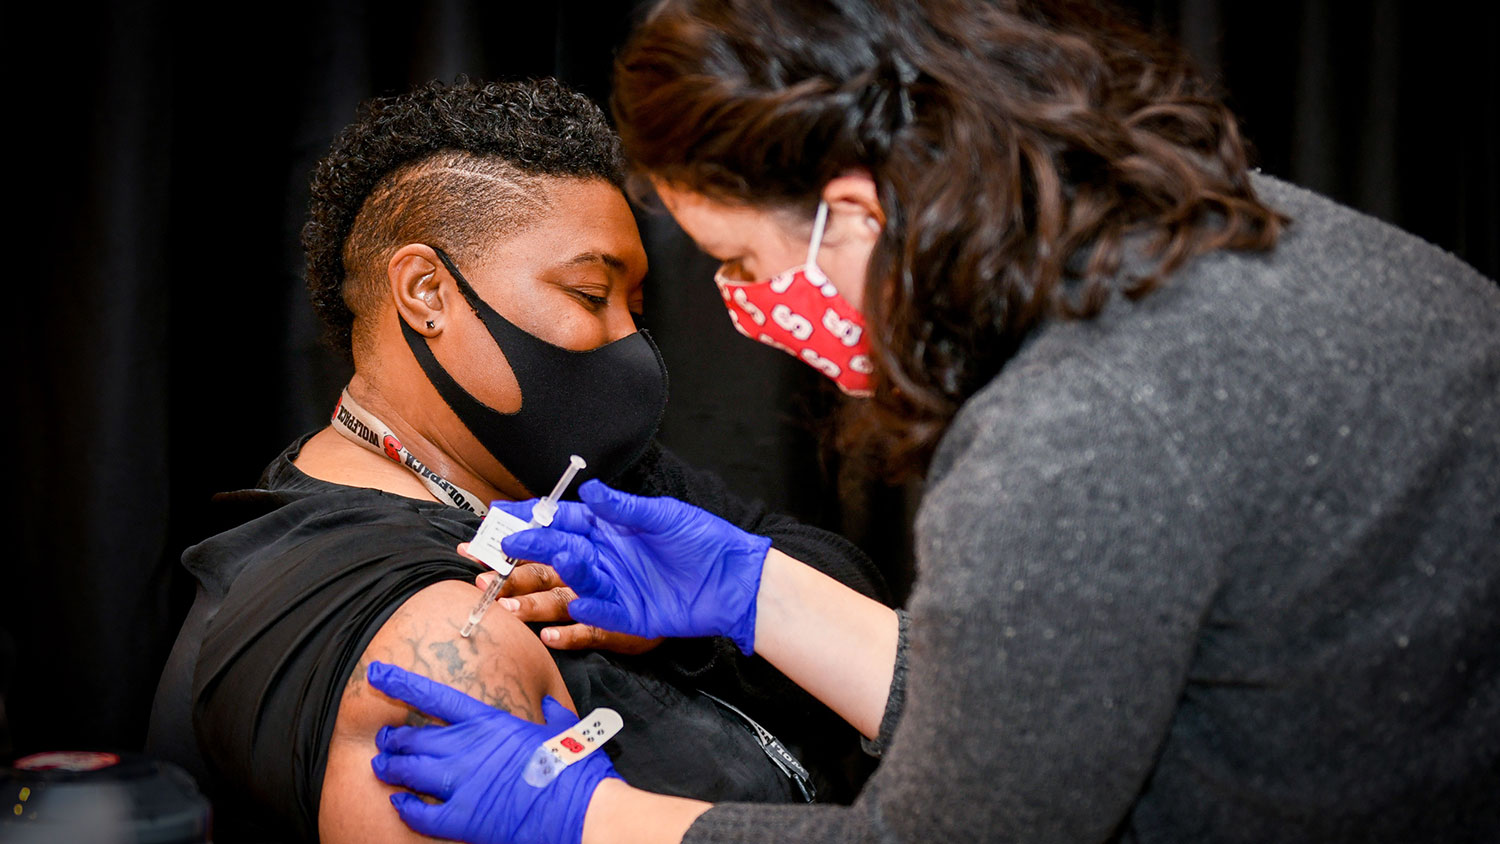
(535, 593)
(475, 767)
(650, 566)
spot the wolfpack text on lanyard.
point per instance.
(357, 424)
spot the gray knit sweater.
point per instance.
(1221, 565)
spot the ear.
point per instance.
(854, 206)
(417, 288)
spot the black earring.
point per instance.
(430, 326)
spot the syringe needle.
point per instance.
(490, 593)
(486, 544)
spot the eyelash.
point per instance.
(593, 301)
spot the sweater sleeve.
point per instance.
(1063, 567)
(895, 699)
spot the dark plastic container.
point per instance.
(100, 798)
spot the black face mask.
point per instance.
(604, 404)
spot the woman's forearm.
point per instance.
(621, 814)
(832, 641)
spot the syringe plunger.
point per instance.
(545, 508)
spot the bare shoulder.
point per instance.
(502, 664)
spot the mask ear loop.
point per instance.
(819, 224)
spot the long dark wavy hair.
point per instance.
(1014, 146)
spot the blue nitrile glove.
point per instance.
(649, 566)
(475, 765)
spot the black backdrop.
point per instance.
(166, 350)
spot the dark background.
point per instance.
(165, 349)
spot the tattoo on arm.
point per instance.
(435, 649)
(356, 683)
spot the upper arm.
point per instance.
(502, 664)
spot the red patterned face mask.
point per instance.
(801, 313)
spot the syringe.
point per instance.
(500, 524)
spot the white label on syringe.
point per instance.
(497, 525)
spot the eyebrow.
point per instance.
(613, 262)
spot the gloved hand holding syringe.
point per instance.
(499, 524)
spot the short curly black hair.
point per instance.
(450, 164)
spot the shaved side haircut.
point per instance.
(456, 201)
(457, 166)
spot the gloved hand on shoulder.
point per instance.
(475, 767)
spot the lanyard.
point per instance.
(359, 425)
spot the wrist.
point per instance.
(596, 774)
(619, 812)
(747, 561)
(766, 603)
(601, 819)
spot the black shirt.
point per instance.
(288, 600)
